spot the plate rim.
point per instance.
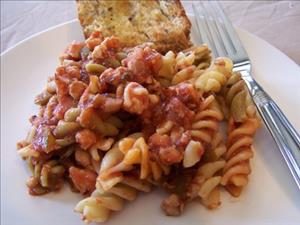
(4, 53)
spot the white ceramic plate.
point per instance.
(270, 198)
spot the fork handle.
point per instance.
(284, 134)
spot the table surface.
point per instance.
(277, 22)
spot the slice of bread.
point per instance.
(135, 22)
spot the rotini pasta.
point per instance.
(215, 77)
(204, 182)
(28, 151)
(114, 121)
(46, 177)
(98, 206)
(238, 99)
(242, 126)
(206, 121)
(202, 56)
(128, 152)
(208, 189)
(237, 168)
(167, 69)
(182, 67)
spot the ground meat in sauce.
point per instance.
(44, 140)
(74, 49)
(64, 104)
(187, 94)
(35, 188)
(62, 85)
(84, 76)
(173, 205)
(178, 113)
(150, 120)
(162, 149)
(106, 104)
(179, 181)
(143, 63)
(93, 40)
(76, 89)
(182, 141)
(112, 78)
(83, 179)
(172, 106)
(106, 50)
(86, 138)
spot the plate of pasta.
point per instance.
(131, 135)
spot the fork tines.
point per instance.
(215, 29)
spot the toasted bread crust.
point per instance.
(135, 22)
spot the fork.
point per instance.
(215, 29)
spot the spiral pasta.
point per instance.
(182, 67)
(202, 55)
(206, 181)
(215, 77)
(238, 99)
(67, 127)
(46, 177)
(242, 126)
(98, 206)
(204, 127)
(168, 66)
(237, 168)
(206, 121)
(113, 121)
(128, 152)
